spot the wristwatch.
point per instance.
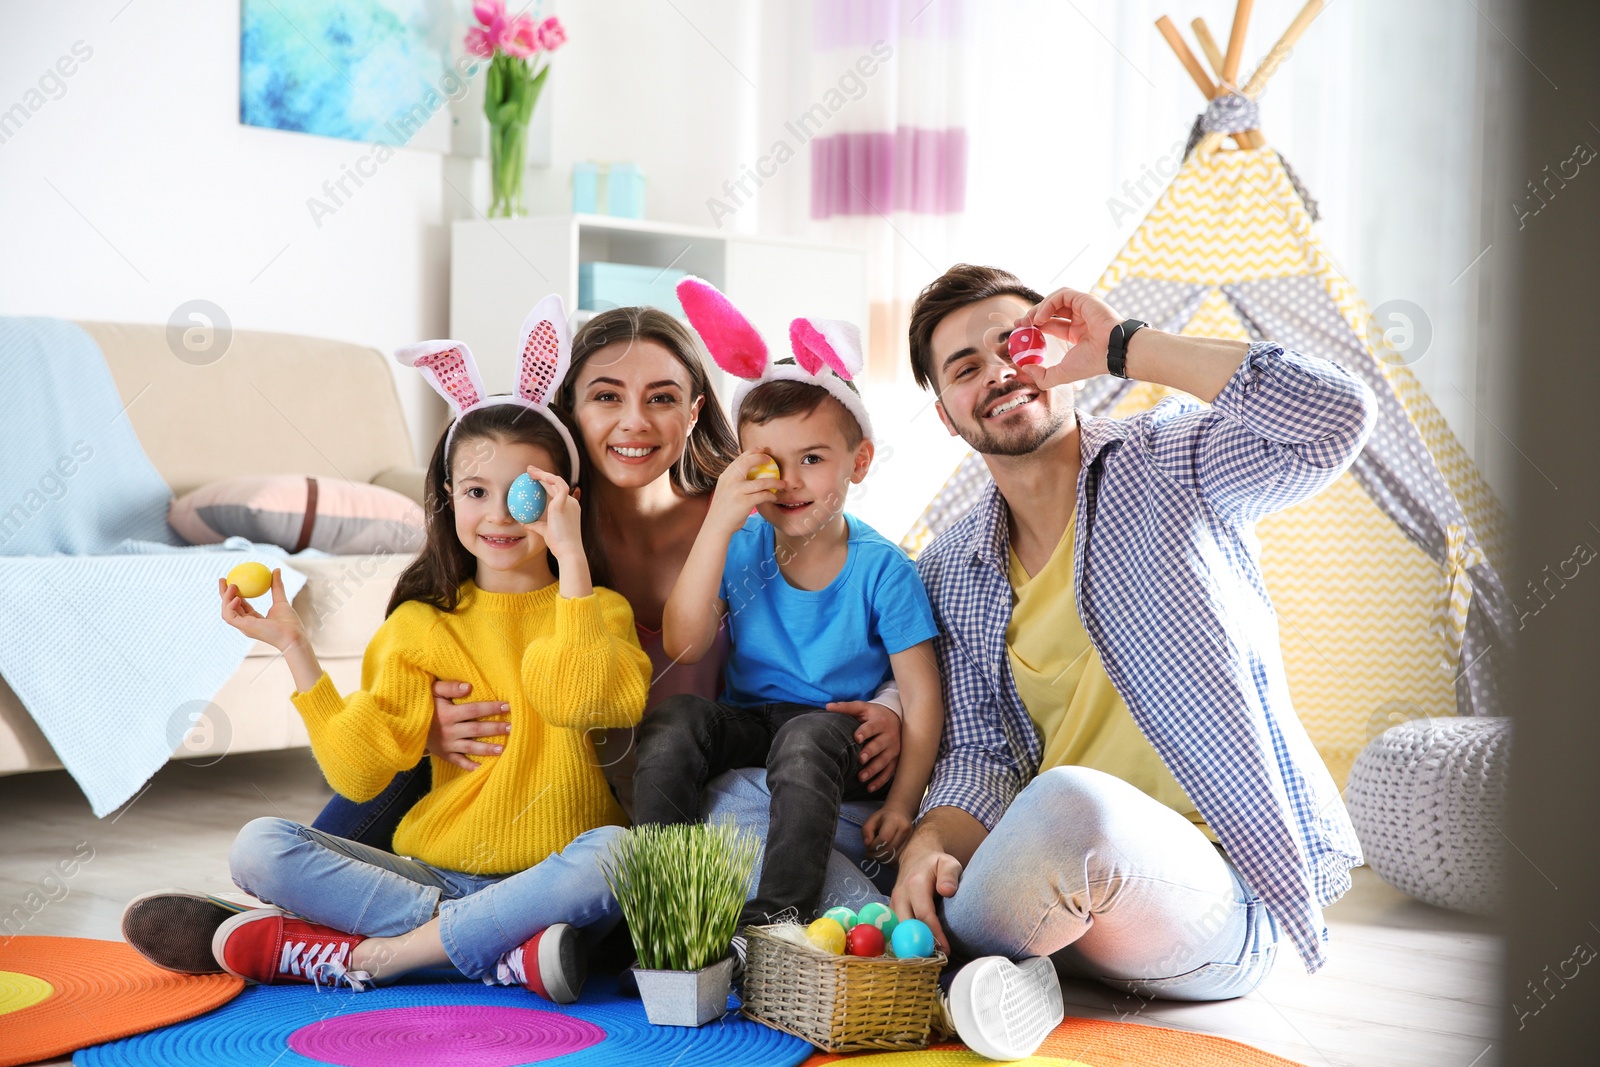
(1117, 350)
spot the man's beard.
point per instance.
(1019, 442)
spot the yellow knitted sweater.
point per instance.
(566, 667)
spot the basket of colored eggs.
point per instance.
(848, 982)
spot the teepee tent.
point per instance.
(1386, 584)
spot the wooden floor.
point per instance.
(1407, 985)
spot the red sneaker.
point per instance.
(265, 945)
(550, 963)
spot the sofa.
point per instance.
(272, 404)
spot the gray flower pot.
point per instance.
(685, 998)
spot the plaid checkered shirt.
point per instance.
(1168, 584)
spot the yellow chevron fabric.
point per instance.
(1359, 605)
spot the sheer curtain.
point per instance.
(889, 170)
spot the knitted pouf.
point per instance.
(1426, 797)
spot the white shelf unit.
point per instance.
(500, 268)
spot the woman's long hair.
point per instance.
(711, 445)
(435, 576)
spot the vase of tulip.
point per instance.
(513, 47)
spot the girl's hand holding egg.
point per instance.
(556, 518)
(280, 627)
(526, 499)
(252, 579)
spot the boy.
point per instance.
(820, 608)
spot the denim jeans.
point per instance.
(372, 822)
(852, 878)
(1114, 886)
(360, 889)
(811, 757)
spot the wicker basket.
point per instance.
(839, 1003)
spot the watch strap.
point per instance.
(1117, 349)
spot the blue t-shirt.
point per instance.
(811, 647)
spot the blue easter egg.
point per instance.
(912, 939)
(525, 499)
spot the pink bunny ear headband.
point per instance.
(827, 352)
(449, 367)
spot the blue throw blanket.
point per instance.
(110, 630)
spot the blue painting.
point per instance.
(376, 71)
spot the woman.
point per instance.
(655, 440)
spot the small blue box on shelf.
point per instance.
(585, 188)
(602, 286)
(625, 197)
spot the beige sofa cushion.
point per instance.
(312, 406)
(343, 600)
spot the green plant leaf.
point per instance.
(681, 889)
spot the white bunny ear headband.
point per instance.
(546, 346)
(827, 352)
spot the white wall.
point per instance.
(138, 190)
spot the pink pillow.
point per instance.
(347, 518)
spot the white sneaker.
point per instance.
(1005, 1010)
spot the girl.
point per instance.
(505, 857)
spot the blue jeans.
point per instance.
(372, 822)
(1114, 886)
(811, 757)
(359, 889)
(852, 878)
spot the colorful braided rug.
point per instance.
(1089, 1043)
(58, 994)
(412, 1024)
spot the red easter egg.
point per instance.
(865, 940)
(1026, 345)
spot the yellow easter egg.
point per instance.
(827, 935)
(769, 469)
(253, 579)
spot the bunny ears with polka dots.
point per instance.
(546, 347)
(827, 352)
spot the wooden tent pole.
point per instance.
(1208, 45)
(1186, 57)
(1280, 51)
(1241, 20)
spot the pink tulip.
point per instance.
(486, 11)
(499, 31)
(522, 40)
(478, 43)
(551, 34)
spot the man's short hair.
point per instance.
(956, 288)
(783, 397)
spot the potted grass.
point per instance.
(681, 889)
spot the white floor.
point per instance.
(1408, 984)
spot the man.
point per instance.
(1123, 790)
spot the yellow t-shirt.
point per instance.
(1081, 718)
(566, 667)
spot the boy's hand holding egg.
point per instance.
(751, 479)
(767, 469)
